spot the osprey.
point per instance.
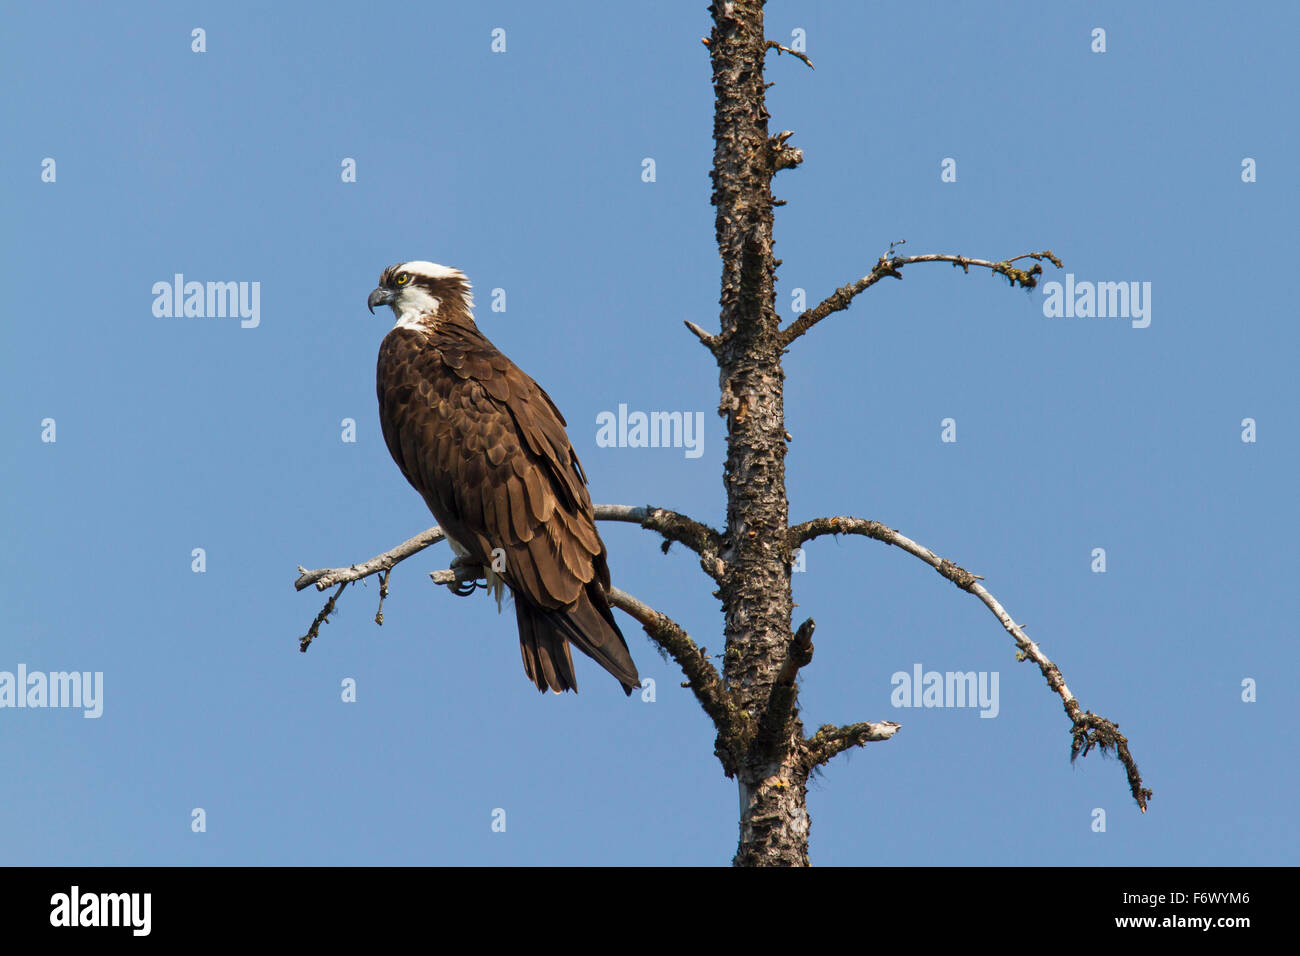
(486, 448)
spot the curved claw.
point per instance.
(466, 588)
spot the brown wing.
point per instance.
(487, 449)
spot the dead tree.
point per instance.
(754, 701)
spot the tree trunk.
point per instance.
(755, 595)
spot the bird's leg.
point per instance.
(468, 586)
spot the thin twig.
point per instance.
(383, 593)
(313, 632)
(773, 45)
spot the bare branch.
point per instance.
(701, 676)
(781, 700)
(831, 740)
(800, 653)
(711, 342)
(326, 577)
(773, 45)
(783, 156)
(1088, 730)
(383, 593)
(890, 265)
(699, 537)
(818, 527)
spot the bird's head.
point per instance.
(419, 292)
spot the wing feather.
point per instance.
(487, 449)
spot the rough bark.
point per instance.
(755, 593)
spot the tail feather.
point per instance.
(547, 662)
(545, 635)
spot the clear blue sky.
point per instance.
(524, 168)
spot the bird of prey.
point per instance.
(486, 448)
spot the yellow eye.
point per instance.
(402, 278)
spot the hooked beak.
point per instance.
(380, 296)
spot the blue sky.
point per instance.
(524, 168)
